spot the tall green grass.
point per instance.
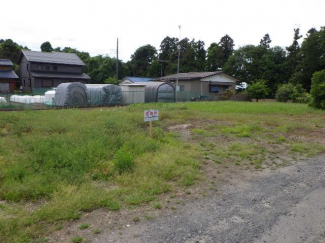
(56, 164)
(68, 161)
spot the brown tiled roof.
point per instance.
(187, 76)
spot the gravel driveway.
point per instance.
(286, 205)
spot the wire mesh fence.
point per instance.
(46, 99)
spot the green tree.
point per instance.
(311, 58)
(46, 47)
(286, 92)
(318, 90)
(200, 55)
(257, 90)
(103, 68)
(265, 42)
(250, 63)
(168, 46)
(142, 59)
(10, 50)
(154, 70)
(110, 80)
(293, 51)
(227, 47)
(192, 57)
(214, 57)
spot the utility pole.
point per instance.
(117, 62)
(179, 53)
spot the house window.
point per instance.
(55, 68)
(47, 67)
(48, 83)
(181, 88)
(214, 88)
(39, 67)
(224, 88)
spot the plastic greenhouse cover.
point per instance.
(27, 99)
(104, 94)
(71, 95)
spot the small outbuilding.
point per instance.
(133, 93)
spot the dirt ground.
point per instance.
(229, 204)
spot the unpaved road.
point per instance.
(286, 205)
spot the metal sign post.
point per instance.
(149, 116)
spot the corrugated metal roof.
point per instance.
(5, 62)
(138, 79)
(52, 57)
(60, 75)
(187, 76)
(8, 74)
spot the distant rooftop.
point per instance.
(52, 57)
(138, 79)
(5, 62)
(187, 76)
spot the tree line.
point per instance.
(294, 64)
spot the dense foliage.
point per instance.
(46, 47)
(276, 65)
(257, 90)
(318, 90)
(295, 93)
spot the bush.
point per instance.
(296, 93)
(227, 95)
(257, 90)
(318, 90)
(305, 98)
(123, 161)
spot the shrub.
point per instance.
(241, 95)
(296, 93)
(305, 98)
(318, 90)
(257, 90)
(227, 95)
(123, 161)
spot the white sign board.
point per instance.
(151, 115)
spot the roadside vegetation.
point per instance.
(57, 164)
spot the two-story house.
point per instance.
(8, 77)
(45, 70)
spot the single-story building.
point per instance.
(8, 77)
(46, 70)
(198, 84)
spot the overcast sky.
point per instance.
(94, 25)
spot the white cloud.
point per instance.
(93, 26)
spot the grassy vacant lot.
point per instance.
(56, 164)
